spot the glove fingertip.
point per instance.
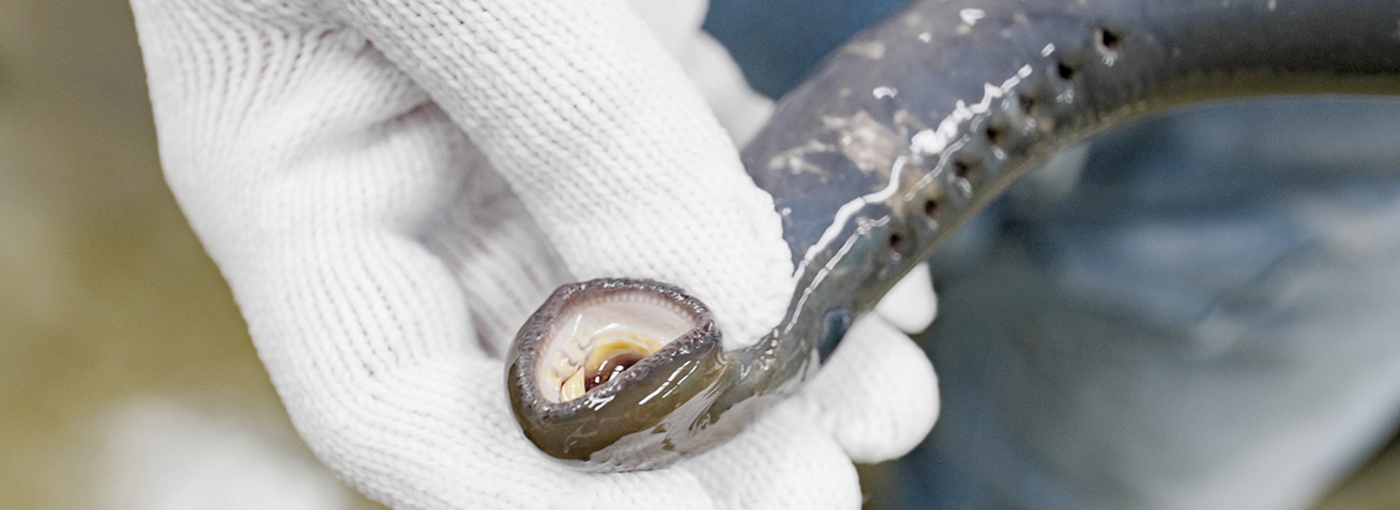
(879, 393)
(911, 304)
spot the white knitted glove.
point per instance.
(391, 186)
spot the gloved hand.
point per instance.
(391, 186)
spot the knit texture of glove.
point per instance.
(390, 186)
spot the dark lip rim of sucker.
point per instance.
(548, 419)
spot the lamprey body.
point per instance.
(902, 136)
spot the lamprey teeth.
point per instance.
(601, 333)
(629, 367)
(572, 388)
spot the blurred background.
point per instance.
(126, 376)
(127, 379)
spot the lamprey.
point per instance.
(902, 136)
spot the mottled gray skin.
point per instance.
(913, 126)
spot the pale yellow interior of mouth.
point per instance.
(594, 330)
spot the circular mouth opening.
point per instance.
(597, 337)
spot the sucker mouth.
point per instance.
(626, 367)
(599, 333)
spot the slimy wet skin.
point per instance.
(616, 366)
(877, 159)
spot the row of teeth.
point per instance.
(569, 358)
(568, 367)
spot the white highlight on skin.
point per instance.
(930, 141)
(795, 159)
(926, 142)
(844, 213)
(864, 140)
(971, 16)
(842, 216)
